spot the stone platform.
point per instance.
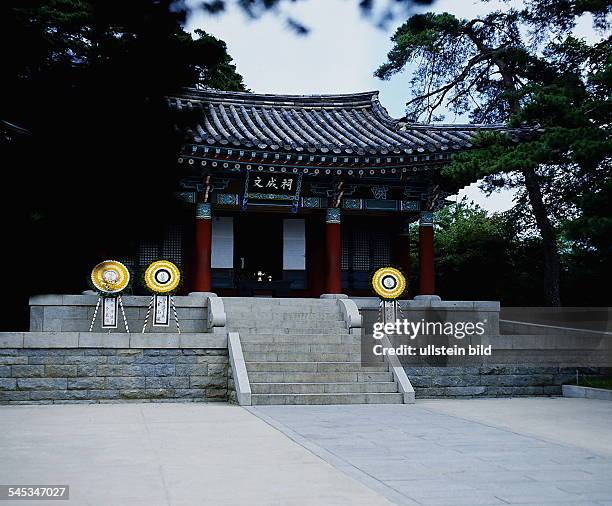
(285, 351)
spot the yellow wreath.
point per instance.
(110, 276)
(162, 276)
(389, 283)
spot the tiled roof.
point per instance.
(9, 132)
(348, 124)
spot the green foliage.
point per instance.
(469, 243)
(525, 68)
(455, 63)
(481, 256)
(559, 16)
(89, 79)
(594, 382)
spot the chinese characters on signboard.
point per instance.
(272, 186)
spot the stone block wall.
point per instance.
(65, 367)
(41, 375)
(494, 381)
(521, 364)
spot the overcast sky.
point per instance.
(339, 55)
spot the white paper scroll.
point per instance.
(294, 244)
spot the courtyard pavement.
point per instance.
(536, 451)
(165, 454)
(529, 451)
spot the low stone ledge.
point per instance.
(75, 313)
(587, 392)
(11, 339)
(103, 340)
(43, 340)
(128, 300)
(203, 340)
(51, 340)
(449, 305)
(154, 340)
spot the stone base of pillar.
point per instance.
(429, 298)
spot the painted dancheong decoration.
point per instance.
(162, 278)
(389, 283)
(110, 278)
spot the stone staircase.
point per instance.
(298, 351)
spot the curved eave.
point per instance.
(342, 125)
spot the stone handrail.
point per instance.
(241, 377)
(540, 329)
(216, 309)
(216, 312)
(350, 313)
(399, 374)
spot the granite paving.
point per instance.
(528, 451)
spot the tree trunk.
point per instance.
(552, 268)
(549, 239)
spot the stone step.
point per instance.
(351, 398)
(284, 318)
(272, 319)
(320, 324)
(299, 347)
(253, 337)
(300, 356)
(323, 388)
(312, 367)
(270, 330)
(279, 300)
(288, 305)
(290, 313)
(318, 377)
(287, 316)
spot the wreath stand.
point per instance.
(110, 304)
(161, 318)
(388, 311)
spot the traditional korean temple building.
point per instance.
(305, 195)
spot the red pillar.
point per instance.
(333, 251)
(315, 256)
(203, 240)
(426, 254)
(401, 256)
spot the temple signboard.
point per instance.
(272, 186)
